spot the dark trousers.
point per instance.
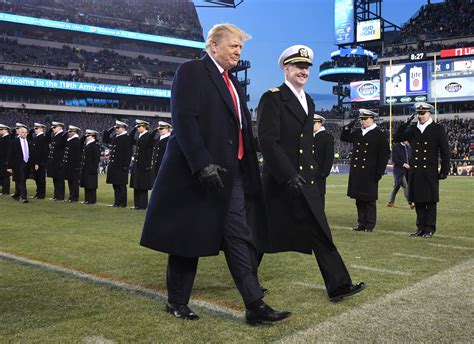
(120, 195)
(400, 180)
(21, 174)
(426, 216)
(40, 180)
(73, 185)
(140, 198)
(240, 253)
(5, 184)
(59, 188)
(90, 196)
(366, 213)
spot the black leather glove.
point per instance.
(378, 177)
(352, 123)
(295, 185)
(442, 176)
(209, 177)
(409, 119)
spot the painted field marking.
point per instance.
(451, 246)
(384, 271)
(130, 288)
(418, 257)
(310, 285)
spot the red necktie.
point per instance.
(240, 153)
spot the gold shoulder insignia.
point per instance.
(274, 89)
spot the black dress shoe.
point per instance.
(24, 200)
(358, 229)
(352, 290)
(417, 233)
(181, 311)
(52, 199)
(264, 290)
(368, 229)
(428, 235)
(264, 314)
(113, 205)
(16, 198)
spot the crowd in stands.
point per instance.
(451, 18)
(406, 49)
(105, 62)
(174, 18)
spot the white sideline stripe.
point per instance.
(384, 271)
(96, 340)
(418, 257)
(130, 288)
(407, 233)
(452, 246)
(378, 313)
(310, 285)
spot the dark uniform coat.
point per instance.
(159, 150)
(54, 165)
(119, 161)
(142, 174)
(370, 154)
(423, 177)
(15, 160)
(205, 132)
(323, 147)
(285, 135)
(400, 155)
(4, 148)
(72, 158)
(89, 165)
(40, 151)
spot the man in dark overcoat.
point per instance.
(285, 134)
(89, 167)
(401, 155)
(370, 154)
(209, 175)
(159, 147)
(54, 166)
(323, 152)
(429, 144)
(141, 178)
(119, 161)
(5, 140)
(40, 151)
(20, 163)
(72, 162)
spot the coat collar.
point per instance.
(294, 105)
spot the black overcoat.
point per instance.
(182, 217)
(323, 151)
(159, 150)
(72, 159)
(285, 135)
(20, 170)
(400, 156)
(40, 150)
(54, 165)
(427, 148)
(5, 142)
(119, 161)
(142, 175)
(89, 165)
(370, 154)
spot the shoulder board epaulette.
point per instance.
(274, 89)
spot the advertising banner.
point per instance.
(344, 21)
(368, 30)
(362, 91)
(406, 83)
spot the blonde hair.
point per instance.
(219, 31)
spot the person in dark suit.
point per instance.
(119, 163)
(159, 147)
(72, 162)
(370, 153)
(89, 167)
(209, 175)
(323, 151)
(19, 163)
(141, 178)
(5, 140)
(401, 154)
(296, 214)
(429, 144)
(54, 166)
(40, 150)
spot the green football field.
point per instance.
(76, 273)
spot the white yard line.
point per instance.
(130, 288)
(451, 246)
(383, 271)
(310, 285)
(418, 257)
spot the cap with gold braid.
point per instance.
(318, 118)
(20, 125)
(141, 123)
(296, 54)
(39, 125)
(90, 132)
(364, 114)
(424, 107)
(163, 125)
